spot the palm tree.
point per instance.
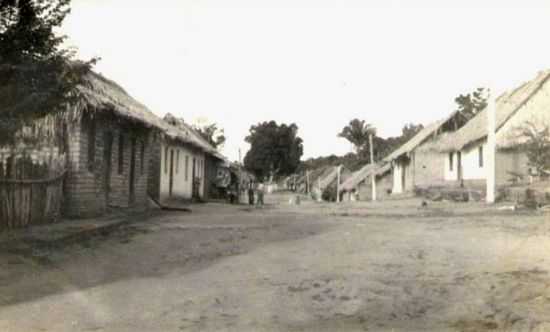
(357, 133)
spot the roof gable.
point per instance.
(507, 106)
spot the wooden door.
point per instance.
(171, 176)
(194, 191)
(459, 165)
(403, 177)
(132, 179)
(107, 161)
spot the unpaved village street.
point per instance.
(387, 266)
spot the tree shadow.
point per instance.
(145, 250)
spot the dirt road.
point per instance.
(388, 266)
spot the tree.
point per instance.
(472, 103)
(537, 147)
(37, 75)
(211, 133)
(274, 149)
(357, 133)
(409, 131)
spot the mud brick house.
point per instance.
(322, 181)
(109, 138)
(184, 165)
(462, 152)
(358, 185)
(412, 166)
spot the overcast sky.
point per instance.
(316, 63)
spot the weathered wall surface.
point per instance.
(383, 188)
(184, 157)
(86, 191)
(428, 169)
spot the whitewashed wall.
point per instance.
(471, 169)
(397, 171)
(183, 172)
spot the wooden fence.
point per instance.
(30, 202)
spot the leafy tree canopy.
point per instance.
(470, 104)
(274, 149)
(211, 133)
(537, 147)
(37, 75)
(354, 161)
(357, 133)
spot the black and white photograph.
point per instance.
(274, 165)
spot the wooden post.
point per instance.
(373, 175)
(319, 187)
(307, 182)
(491, 149)
(338, 184)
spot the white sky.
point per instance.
(313, 62)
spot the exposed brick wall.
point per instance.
(153, 178)
(510, 161)
(429, 169)
(85, 188)
(383, 185)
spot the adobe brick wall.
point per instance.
(510, 161)
(153, 178)
(429, 168)
(85, 192)
(383, 184)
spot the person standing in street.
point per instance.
(251, 193)
(260, 200)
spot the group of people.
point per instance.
(256, 189)
(255, 193)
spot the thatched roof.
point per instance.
(179, 130)
(330, 174)
(507, 106)
(100, 94)
(359, 176)
(417, 139)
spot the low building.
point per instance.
(101, 143)
(183, 164)
(109, 142)
(464, 152)
(412, 166)
(325, 184)
(358, 186)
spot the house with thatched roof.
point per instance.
(107, 140)
(412, 166)
(310, 180)
(358, 186)
(324, 182)
(184, 165)
(464, 150)
(109, 145)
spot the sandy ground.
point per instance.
(387, 266)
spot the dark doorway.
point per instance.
(195, 191)
(133, 172)
(171, 178)
(403, 176)
(107, 162)
(459, 165)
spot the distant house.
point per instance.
(412, 166)
(183, 164)
(358, 185)
(464, 152)
(325, 180)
